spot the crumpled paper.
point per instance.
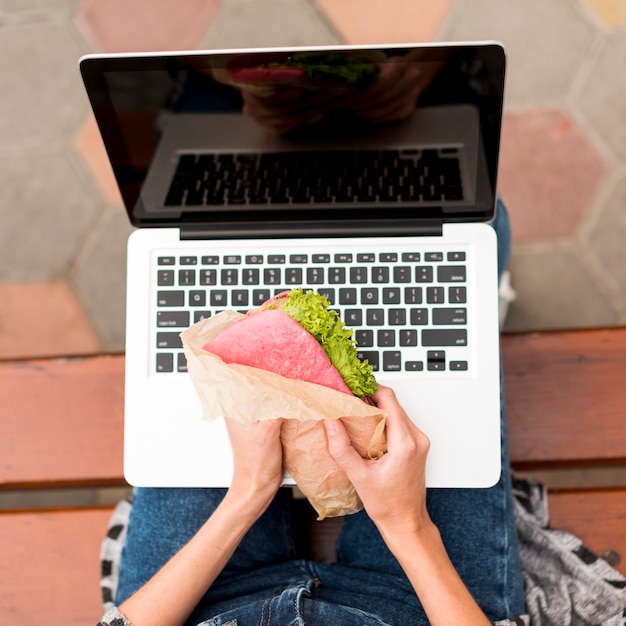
(248, 394)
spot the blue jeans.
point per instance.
(265, 583)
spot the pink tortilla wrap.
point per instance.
(271, 340)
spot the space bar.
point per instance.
(444, 337)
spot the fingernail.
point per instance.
(331, 427)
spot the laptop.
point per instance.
(366, 173)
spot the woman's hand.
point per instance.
(392, 488)
(393, 491)
(257, 459)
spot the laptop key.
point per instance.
(250, 277)
(369, 295)
(375, 317)
(380, 274)
(315, 275)
(364, 338)
(402, 274)
(444, 337)
(165, 278)
(435, 295)
(414, 366)
(172, 319)
(386, 338)
(271, 276)
(447, 317)
(218, 297)
(358, 274)
(164, 362)
(397, 317)
(321, 258)
(229, 276)
(436, 360)
(423, 274)
(293, 275)
(408, 337)
(259, 296)
(186, 277)
(197, 298)
(168, 340)
(170, 298)
(419, 317)
(451, 273)
(391, 295)
(337, 275)
(392, 361)
(457, 295)
(353, 317)
(413, 295)
(208, 277)
(240, 297)
(347, 295)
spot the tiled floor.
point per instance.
(563, 167)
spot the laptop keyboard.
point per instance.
(408, 309)
(338, 176)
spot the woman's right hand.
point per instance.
(392, 488)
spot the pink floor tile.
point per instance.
(382, 21)
(89, 144)
(549, 173)
(146, 25)
(41, 320)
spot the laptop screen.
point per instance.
(287, 137)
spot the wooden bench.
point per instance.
(62, 432)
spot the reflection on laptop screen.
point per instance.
(309, 134)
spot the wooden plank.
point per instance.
(565, 397)
(597, 517)
(62, 422)
(50, 566)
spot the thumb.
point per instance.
(340, 446)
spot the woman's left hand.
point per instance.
(257, 459)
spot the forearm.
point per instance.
(171, 595)
(444, 596)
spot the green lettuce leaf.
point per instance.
(311, 311)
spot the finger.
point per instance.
(398, 424)
(340, 446)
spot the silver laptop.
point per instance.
(367, 174)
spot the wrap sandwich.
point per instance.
(291, 358)
(312, 70)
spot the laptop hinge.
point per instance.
(312, 229)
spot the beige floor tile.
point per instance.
(43, 319)
(89, 143)
(143, 25)
(385, 21)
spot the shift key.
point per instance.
(444, 337)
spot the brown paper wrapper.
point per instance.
(249, 394)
